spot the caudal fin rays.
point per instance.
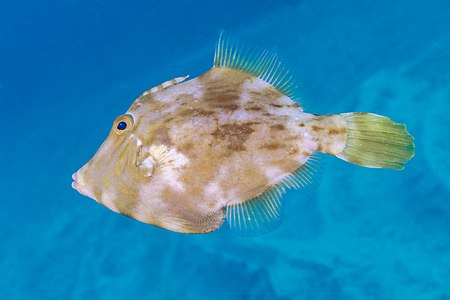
(376, 141)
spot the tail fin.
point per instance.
(376, 142)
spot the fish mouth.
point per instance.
(75, 183)
(79, 186)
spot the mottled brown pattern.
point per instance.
(97, 192)
(224, 90)
(253, 179)
(187, 212)
(203, 112)
(187, 147)
(191, 112)
(228, 107)
(234, 134)
(162, 137)
(184, 98)
(278, 127)
(221, 96)
(342, 130)
(124, 203)
(276, 105)
(268, 93)
(273, 146)
(316, 128)
(329, 134)
(233, 143)
(254, 108)
(251, 123)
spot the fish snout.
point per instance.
(74, 178)
(79, 185)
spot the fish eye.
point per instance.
(123, 124)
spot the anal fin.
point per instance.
(257, 216)
(263, 213)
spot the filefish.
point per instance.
(190, 155)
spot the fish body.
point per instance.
(188, 155)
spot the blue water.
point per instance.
(68, 68)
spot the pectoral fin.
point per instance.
(145, 162)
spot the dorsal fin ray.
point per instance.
(263, 64)
(263, 213)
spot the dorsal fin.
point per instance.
(263, 213)
(165, 85)
(263, 64)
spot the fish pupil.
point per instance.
(121, 125)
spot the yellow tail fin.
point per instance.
(376, 142)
